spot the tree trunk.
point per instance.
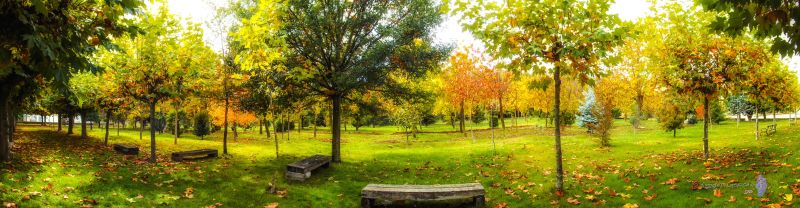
(502, 115)
(557, 123)
(70, 123)
(461, 120)
(706, 119)
(225, 131)
(235, 133)
(260, 127)
(5, 132)
(738, 118)
(773, 117)
(152, 132)
(757, 130)
(276, 143)
(108, 118)
(83, 124)
(43, 120)
(514, 116)
(177, 121)
(59, 122)
(288, 126)
(453, 120)
(141, 128)
(336, 121)
(674, 131)
(315, 125)
(407, 133)
(639, 103)
(267, 124)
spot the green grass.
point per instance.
(54, 170)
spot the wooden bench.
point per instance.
(194, 154)
(126, 149)
(770, 130)
(301, 170)
(422, 193)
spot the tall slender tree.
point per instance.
(553, 37)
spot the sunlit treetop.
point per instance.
(537, 35)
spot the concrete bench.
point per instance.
(126, 149)
(194, 154)
(372, 192)
(301, 170)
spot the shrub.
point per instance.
(478, 116)
(281, 126)
(567, 119)
(495, 122)
(202, 124)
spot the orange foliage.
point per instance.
(469, 80)
(237, 116)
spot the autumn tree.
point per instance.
(44, 40)
(611, 93)
(150, 75)
(673, 113)
(739, 105)
(464, 81)
(353, 52)
(639, 67)
(768, 86)
(570, 36)
(84, 90)
(705, 65)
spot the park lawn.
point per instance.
(648, 168)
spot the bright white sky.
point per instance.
(449, 32)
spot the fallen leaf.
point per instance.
(671, 181)
(282, 194)
(573, 201)
(651, 197)
(717, 193)
(189, 193)
(272, 205)
(631, 206)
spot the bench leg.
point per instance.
(479, 201)
(367, 203)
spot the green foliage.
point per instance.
(586, 117)
(774, 20)
(717, 112)
(477, 116)
(84, 88)
(48, 39)
(738, 105)
(494, 122)
(202, 124)
(567, 118)
(283, 126)
(673, 114)
(183, 121)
